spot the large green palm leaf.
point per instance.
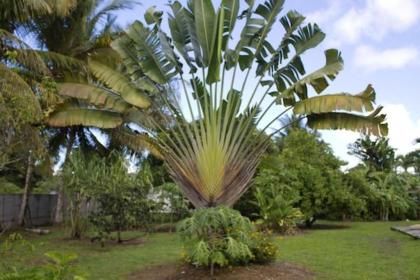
(94, 95)
(85, 117)
(119, 83)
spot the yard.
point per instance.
(332, 250)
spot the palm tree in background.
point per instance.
(377, 154)
(78, 47)
(24, 72)
(76, 57)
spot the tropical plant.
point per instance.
(121, 198)
(58, 267)
(221, 236)
(412, 159)
(393, 197)
(314, 172)
(79, 175)
(92, 84)
(377, 154)
(15, 13)
(276, 210)
(21, 141)
(211, 148)
(24, 71)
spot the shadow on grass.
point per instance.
(322, 226)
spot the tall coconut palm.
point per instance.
(226, 77)
(79, 56)
(14, 14)
(24, 87)
(93, 88)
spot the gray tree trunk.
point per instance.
(26, 191)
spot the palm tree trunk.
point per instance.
(26, 191)
(58, 216)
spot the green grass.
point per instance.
(360, 251)
(357, 251)
(111, 262)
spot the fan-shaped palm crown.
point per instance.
(213, 148)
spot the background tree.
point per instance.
(121, 198)
(317, 170)
(79, 175)
(393, 195)
(23, 72)
(377, 154)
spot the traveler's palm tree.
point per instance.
(231, 80)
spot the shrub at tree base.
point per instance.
(221, 236)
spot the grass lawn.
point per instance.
(359, 251)
(345, 251)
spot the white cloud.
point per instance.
(333, 9)
(403, 128)
(376, 19)
(339, 141)
(370, 59)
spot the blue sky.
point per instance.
(380, 43)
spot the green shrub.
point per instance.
(58, 267)
(221, 236)
(262, 247)
(276, 210)
(121, 198)
(7, 187)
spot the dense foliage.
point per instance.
(277, 210)
(79, 175)
(221, 236)
(305, 172)
(104, 190)
(121, 199)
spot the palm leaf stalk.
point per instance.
(213, 146)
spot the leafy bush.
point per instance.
(221, 236)
(58, 267)
(262, 247)
(7, 187)
(276, 210)
(121, 198)
(80, 174)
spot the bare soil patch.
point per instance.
(280, 270)
(109, 242)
